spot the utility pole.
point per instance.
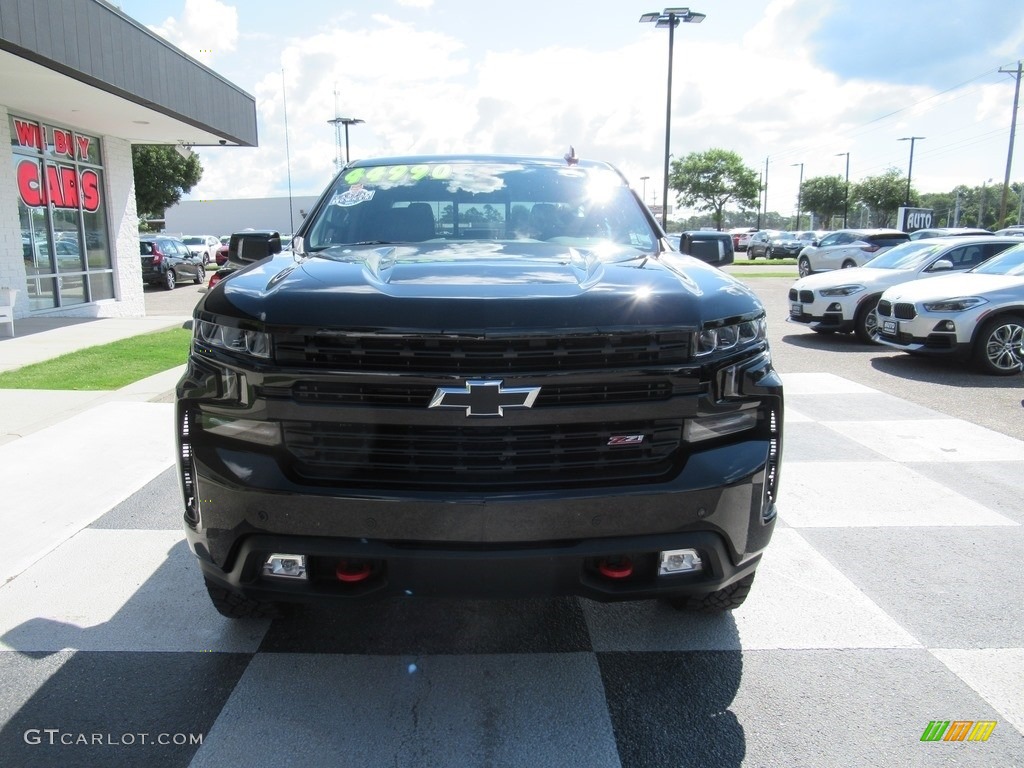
(1013, 130)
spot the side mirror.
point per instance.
(815, 243)
(941, 265)
(253, 245)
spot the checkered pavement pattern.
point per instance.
(890, 597)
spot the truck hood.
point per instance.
(474, 285)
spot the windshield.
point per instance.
(193, 241)
(480, 200)
(784, 236)
(909, 255)
(1009, 262)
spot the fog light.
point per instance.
(285, 566)
(947, 326)
(679, 561)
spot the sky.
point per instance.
(779, 82)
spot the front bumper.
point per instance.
(246, 500)
(923, 336)
(461, 545)
(562, 569)
(824, 314)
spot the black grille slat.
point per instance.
(440, 456)
(904, 311)
(419, 395)
(806, 297)
(476, 356)
(901, 310)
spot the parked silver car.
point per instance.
(976, 315)
(847, 248)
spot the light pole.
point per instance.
(910, 167)
(846, 199)
(799, 191)
(670, 17)
(644, 195)
(981, 210)
(346, 121)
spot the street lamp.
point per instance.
(846, 200)
(670, 17)
(643, 197)
(910, 168)
(346, 121)
(799, 191)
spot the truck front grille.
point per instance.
(419, 395)
(477, 355)
(381, 455)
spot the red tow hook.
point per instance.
(616, 568)
(352, 571)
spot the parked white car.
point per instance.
(846, 248)
(976, 315)
(204, 246)
(845, 300)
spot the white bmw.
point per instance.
(844, 300)
(976, 315)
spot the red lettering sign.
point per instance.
(83, 147)
(62, 142)
(29, 134)
(28, 184)
(64, 188)
(90, 191)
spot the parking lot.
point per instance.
(886, 601)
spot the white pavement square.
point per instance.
(58, 480)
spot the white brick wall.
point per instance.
(12, 259)
(123, 220)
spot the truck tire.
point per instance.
(715, 602)
(235, 606)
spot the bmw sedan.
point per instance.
(977, 315)
(845, 300)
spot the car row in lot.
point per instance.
(955, 296)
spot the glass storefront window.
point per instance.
(64, 229)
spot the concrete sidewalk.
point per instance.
(24, 411)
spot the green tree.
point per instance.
(825, 196)
(162, 176)
(708, 181)
(883, 195)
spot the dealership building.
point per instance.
(80, 83)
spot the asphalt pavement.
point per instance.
(886, 602)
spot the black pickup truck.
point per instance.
(477, 376)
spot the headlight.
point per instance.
(958, 304)
(729, 337)
(842, 290)
(255, 343)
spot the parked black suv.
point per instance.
(165, 260)
(477, 376)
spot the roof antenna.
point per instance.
(570, 156)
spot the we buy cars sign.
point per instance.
(63, 186)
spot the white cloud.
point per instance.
(761, 94)
(206, 29)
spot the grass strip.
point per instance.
(105, 367)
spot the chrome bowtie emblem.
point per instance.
(484, 398)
